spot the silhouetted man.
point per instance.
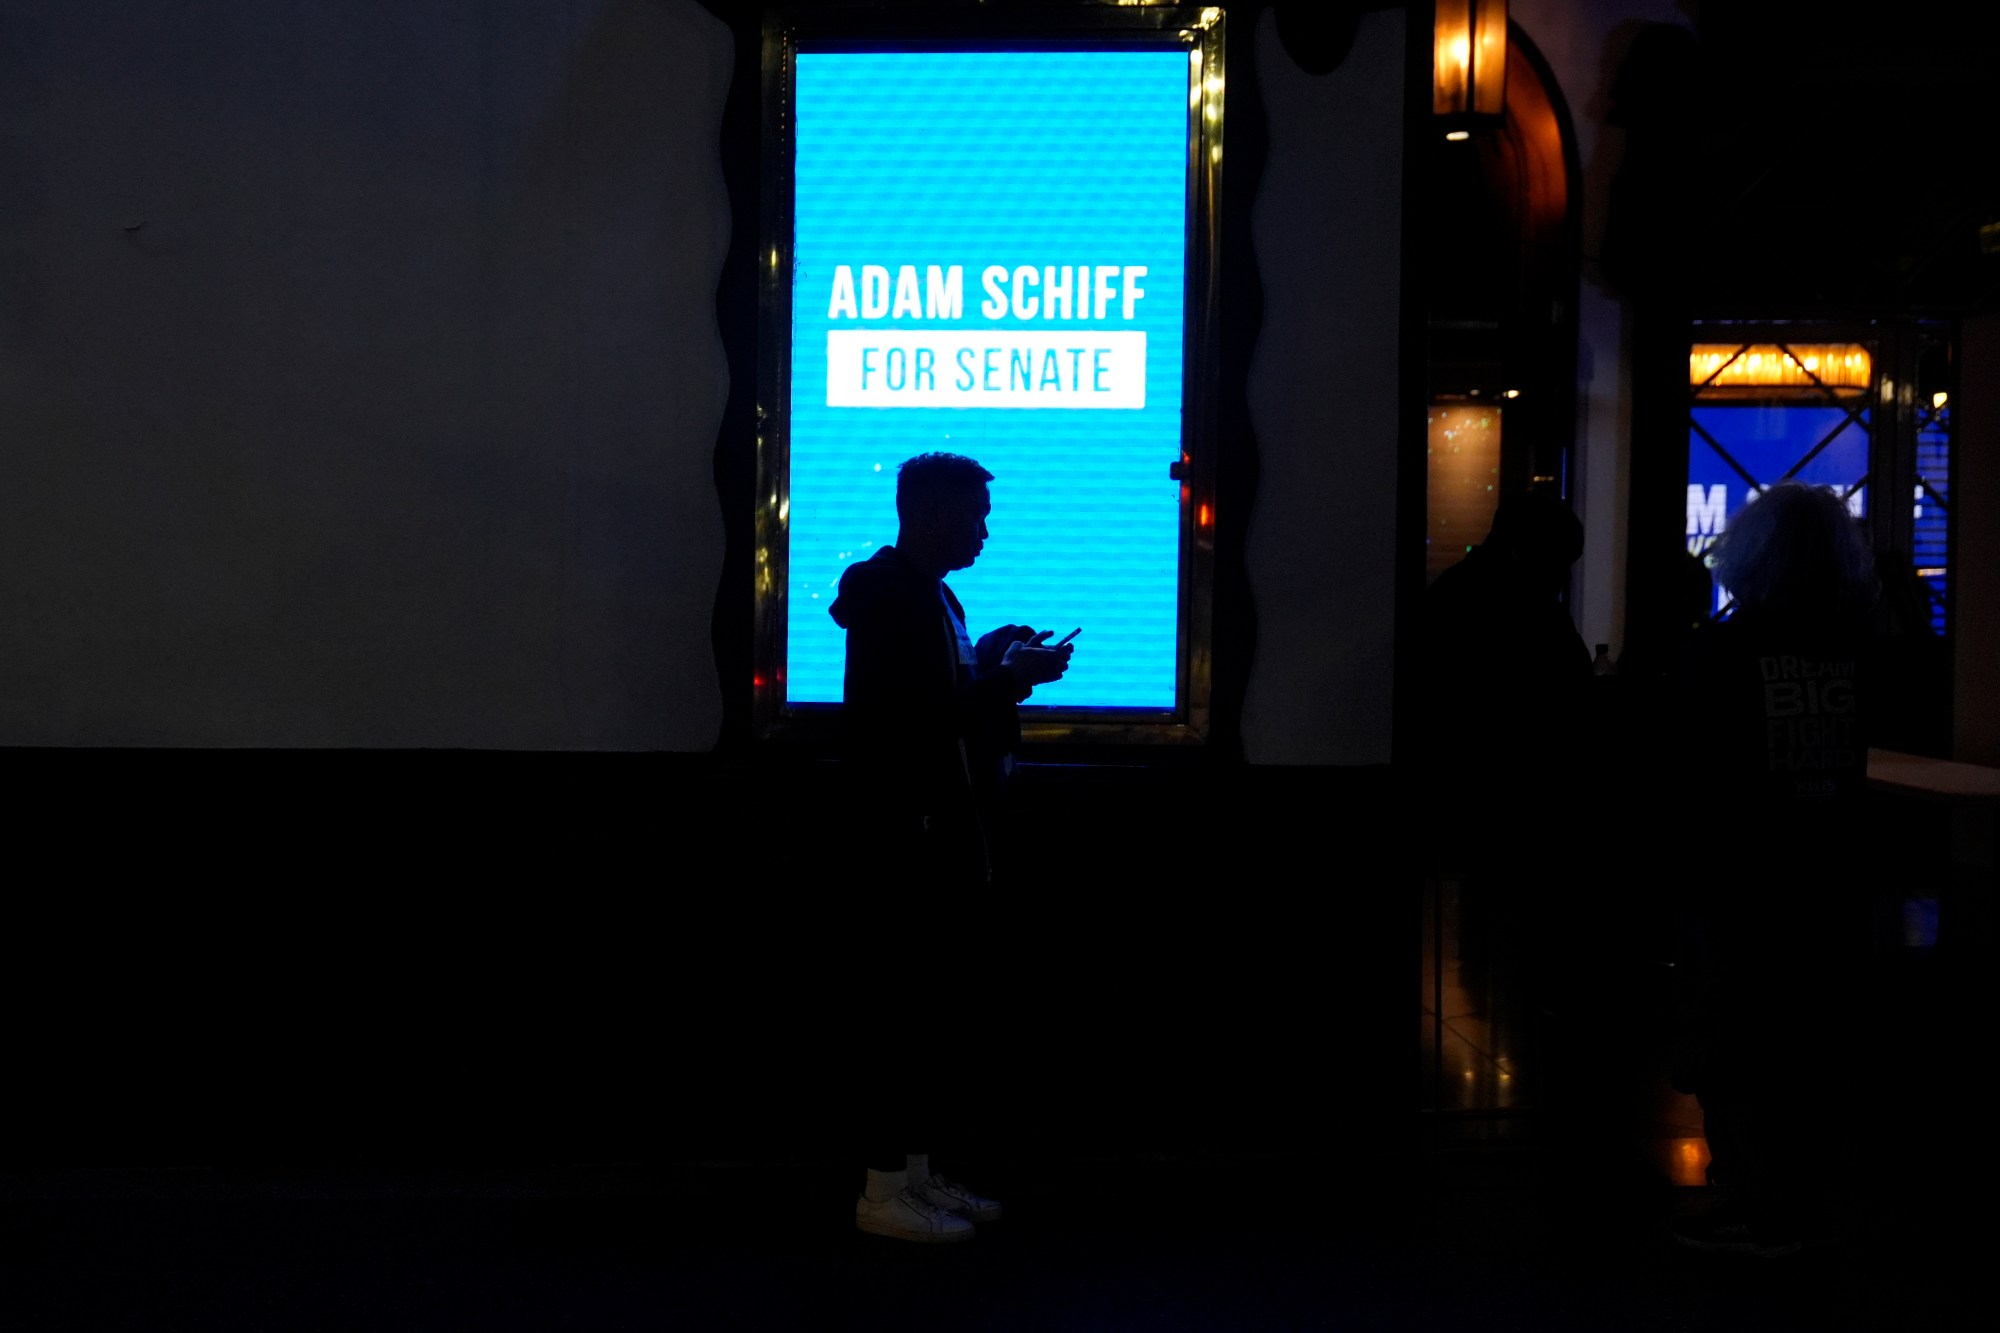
(931, 725)
(1515, 794)
(930, 718)
(1506, 676)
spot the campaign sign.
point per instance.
(989, 259)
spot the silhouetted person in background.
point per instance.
(1654, 651)
(1519, 781)
(1911, 665)
(1772, 735)
(1646, 695)
(930, 722)
(1507, 682)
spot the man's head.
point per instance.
(942, 503)
(1541, 531)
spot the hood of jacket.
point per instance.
(869, 587)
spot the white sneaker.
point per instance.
(956, 1198)
(910, 1216)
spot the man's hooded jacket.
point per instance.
(927, 723)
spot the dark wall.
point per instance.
(1976, 561)
(363, 377)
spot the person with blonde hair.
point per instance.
(1774, 763)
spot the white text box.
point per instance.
(1060, 368)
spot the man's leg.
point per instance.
(887, 1176)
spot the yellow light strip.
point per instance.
(1774, 366)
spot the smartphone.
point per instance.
(1067, 637)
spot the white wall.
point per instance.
(1321, 549)
(359, 377)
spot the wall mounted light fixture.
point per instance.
(1469, 65)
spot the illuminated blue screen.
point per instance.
(988, 259)
(1767, 442)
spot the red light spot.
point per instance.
(1203, 517)
(1187, 493)
(758, 681)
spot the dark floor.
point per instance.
(1468, 1206)
(1251, 1243)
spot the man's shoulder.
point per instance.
(1471, 590)
(881, 586)
(1470, 573)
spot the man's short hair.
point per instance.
(928, 478)
(1537, 525)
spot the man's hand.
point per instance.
(1033, 664)
(992, 648)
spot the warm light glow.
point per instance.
(1463, 479)
(1203, 517)
(1458, 56)
(1457, 136)
(1513, 393)
(1469, 58)
(1787, 369)
(1938, 400)
(1687, 1162)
